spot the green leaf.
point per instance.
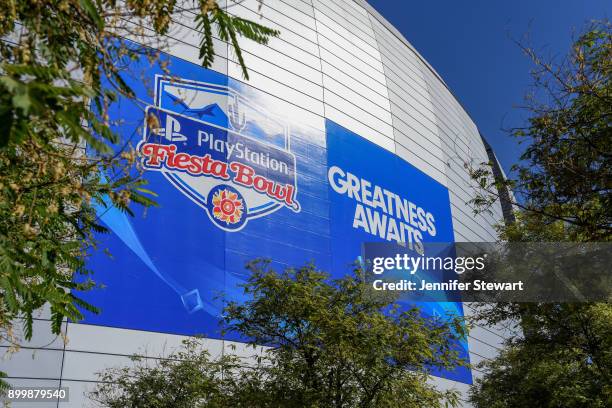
(92, 12)
(22, 101)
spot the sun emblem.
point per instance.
(227, 207)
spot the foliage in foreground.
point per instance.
(560, 354)
(332, 343)
(54, 58)
(187, 378)
(562, 359)
(563, 181)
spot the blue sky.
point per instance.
(470, 43)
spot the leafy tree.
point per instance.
(187, 378)
(562, 358)
(564, 177)
(59, 158)
(561, 355)
(330, 343)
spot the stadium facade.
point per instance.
(342, 134)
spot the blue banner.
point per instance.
(242, 175)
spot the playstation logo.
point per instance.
(172, 130)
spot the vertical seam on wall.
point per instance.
(61, 376)
(385, 74)
(435, 111)
(386, 82)
(314, 16)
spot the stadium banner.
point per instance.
(242, 175)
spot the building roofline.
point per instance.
(374, 13)
(399, 36)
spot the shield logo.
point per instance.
(219, 149)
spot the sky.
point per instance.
(470, 43)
